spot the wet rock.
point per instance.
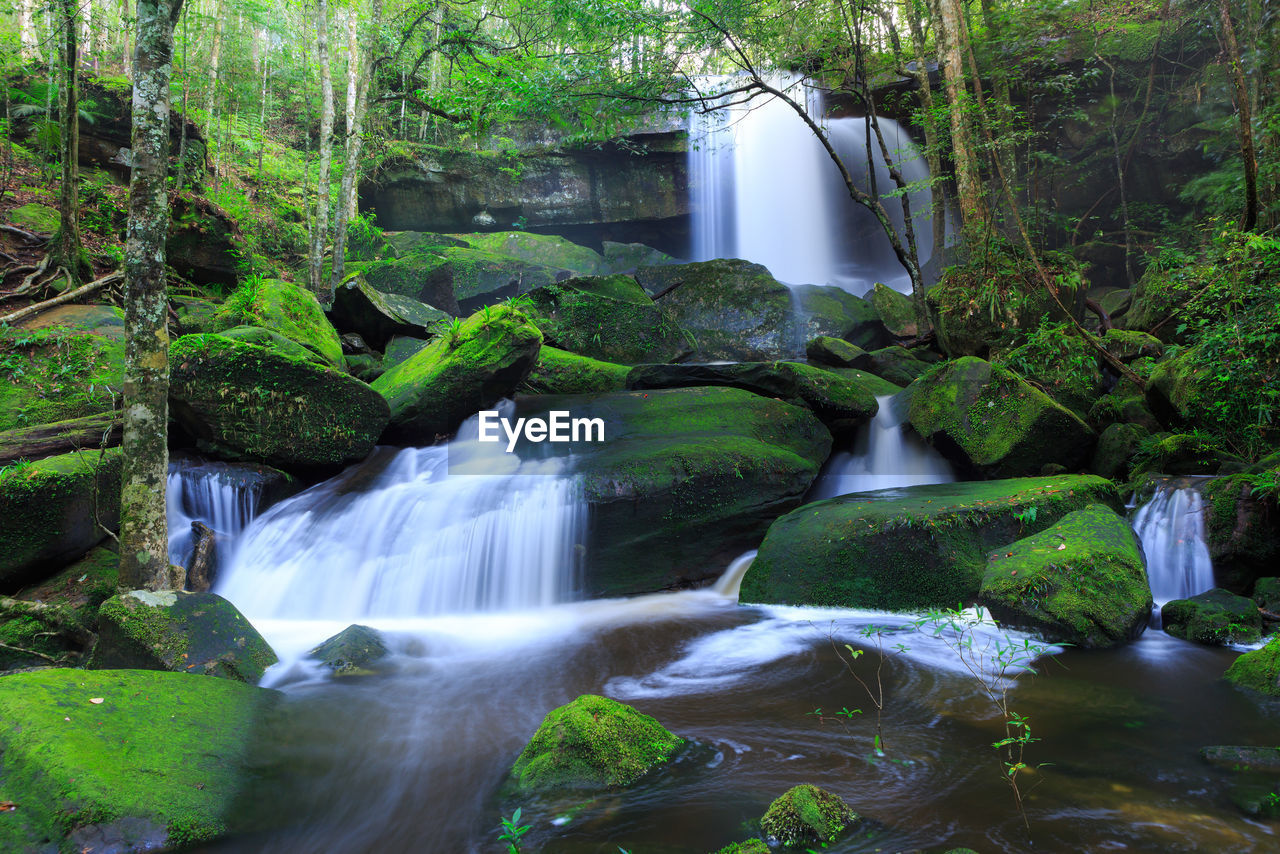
(194, 315)
(807, 816)
(1117, 447)
(1258, 670)
(1215, 617)
(837, 353)
(1242, 757)
(1266, 594)
(275, 342)
(354, 651)
(627, 257)
(1243, 530)
(54, 621)
(896, 311)
(898, 365)
(609, 318)
(377, 317)
(560, 372)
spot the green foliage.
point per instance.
(512, 831)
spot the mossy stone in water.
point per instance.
(1258, 670)
(1082, 581)
(354, 651)
(561, 372)
(806, 816)
(592, 744)
(1216, 616)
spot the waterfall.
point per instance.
(885, 456)
(764, 189)
(399, 535)
(1171, 528)
(217, 494)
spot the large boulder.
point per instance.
(593, 744)
(737, 310)
(606, 317)
(843, 403)
(468, 368)
(907, 549)
(54, 510)
(560, 372)
(807, 816)
(243, 401)
(1216, 617)
(898, 365)
(990, 422)
(1118, 445)
(1243, 529)
(1082, 581)
(1258, 670)
(378, 317)
(836, 353)
(287, 309)
(185, 632)
(123, 760)
(896, 310)
(1061, 364)
(274, 342)
(687, 477)
(1176, 389)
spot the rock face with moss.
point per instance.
(1242, 528)
(609, 318)
(1062, 364)
(1082, 581)
(687, 477)
(1215, 617)
(139, 758)
(287, 309)
(989, 421)
(354, 651)
(466, 369)
(806, 816)
(898, 365)
(560, 372)
(53, 621)
(185, 632)
(378, 317)
(1258, 670)
(836, 353)
(896, 311)
(592, 744)
(1117, 446)
(243, 401)
(54, 510)
(911, 549)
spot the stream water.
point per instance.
(412, 760)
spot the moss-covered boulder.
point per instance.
(35, 217)
(898, 365)
(286, 308)
(54, 510)
(561, 372)
(1082, 581)
(1266, 594)
(422, 276)
(198, 633)
(606, 317)
(1216, 617)
(377, 317)
(1176, 388)
(1258, 670)
(687, 477)
(807, 816)
(627, 257)
(896, 311)
(1118, 445)
(1062, 365)
(123, 760)
(836, 353)
(468, 368)
(843, 403)
(70, 366)
(989, 421)
(194, 315)
(55, 620)
(354, 651)
(592, 744)
(1243, 530)
(273, 341)
(909, 549)
(828, 310)
(243, 401)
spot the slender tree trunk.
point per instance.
(144, 535)
(937, 194)
(1000, 86)
(182, 136)
(262, 117)
(318, 285)
(66, 250)
(973, 207)
(28, 39)
(215, 57)
(126, 51)
(1248, 153)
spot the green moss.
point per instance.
(35, 217)
(67, 613)
(1082, 581)
(1216, 616)
(284, 308)
(354, 651)
(1258, 670)
(546, 250)
(560, 372)
(1129, 345)
(1061, 364)
(58, 373)
(806, 815)
(896, 311)
(836, 353)
(606, 317)
(897, 365)
(751, 846)
(909, 549)
(167, 748)
(593, 744)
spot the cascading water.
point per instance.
(885, 456)
(209, 492)
(764, 189)
(1171, 528)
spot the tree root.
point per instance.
(36, 308)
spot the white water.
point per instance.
(1171, 528)
(764, 189)
(886, 455)
(211, 493)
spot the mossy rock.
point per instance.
(354, 651)
(561, 372)
(423, 276)
(593, 744)
(195, 315)
(287, 309)
(243, 401)
(1176, 388)
(141, 759)
(627, 257)
(836, 353)
(1217, 617)
(69, 367)
(1123, 406)
(981, 306)
(546, 250)
(1116, 302)
(828, 310)
(52, 623)
(1118, 445)
(841, 402)
(1258, 670)
(907, 549)
(878, 386)
(54, 510)
(1243, 530)
(406, 242)
(988, 421)
(38, 218)
(463, 371)
(199, 633)
(606, 317)
(897, 312)
(1063, 366)
(274, 342)
(378, 317)
(1184, 454)
(1266, 593)
(400, 348)
(1159, 294)
(806, 816)
(750, 846)
(1128, 345)
(898, 365)
(1082, 581)
(687, 477)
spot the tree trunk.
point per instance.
(66, 250)
(144, 535)
(973, 208)
(126, 53)
(1247, 151)
(30, 42)
(318, 285)
(215, 57)
(937, 194)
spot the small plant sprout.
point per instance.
(513, 831)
